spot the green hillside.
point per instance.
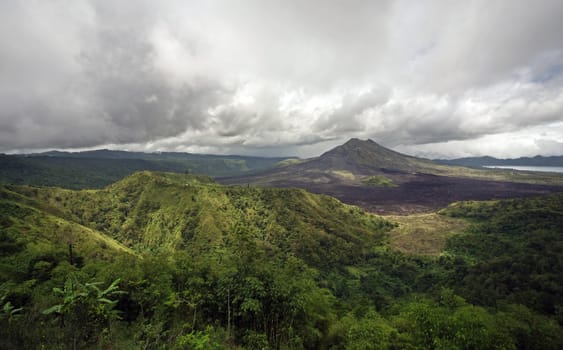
(174, 261)
(228, 236)
(161, 212)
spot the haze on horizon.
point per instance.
(438, 79)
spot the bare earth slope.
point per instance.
(380, 180)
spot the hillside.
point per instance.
(178, 261)
(99, 168)
(381, 180)
(158, 211)
(151, 229)
(27, 222)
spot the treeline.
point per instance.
(194, 265)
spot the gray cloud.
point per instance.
(346, 118)
(268, 77)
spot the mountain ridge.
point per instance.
(490, 161)
(99, 168)
(160, 211)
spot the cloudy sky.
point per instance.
(287, 77)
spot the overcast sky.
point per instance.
(287, 77)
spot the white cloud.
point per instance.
(545, 140)
(275, 76)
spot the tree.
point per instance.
(85, 310)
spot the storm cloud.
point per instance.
(432, 78)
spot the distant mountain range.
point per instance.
(158, 156)
(359, 172)
(99, 168)
(490, 161)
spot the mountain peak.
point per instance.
(357, 141)
(367, 154)
(355, 145)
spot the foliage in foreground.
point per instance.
(163, 261)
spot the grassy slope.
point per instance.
(169, 219)
(158, 211)
(34, 224)
(424, 234)
(34, 249)
(379, 180)
(509, 253)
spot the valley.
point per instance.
(297, 256)
(281, 175)
(359, 172)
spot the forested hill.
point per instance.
(175, 261)
(163, 212)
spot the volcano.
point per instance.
(367, 174)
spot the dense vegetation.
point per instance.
(97, 169)
(170, 261)
(379, 180)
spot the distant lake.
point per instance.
(551, 169)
